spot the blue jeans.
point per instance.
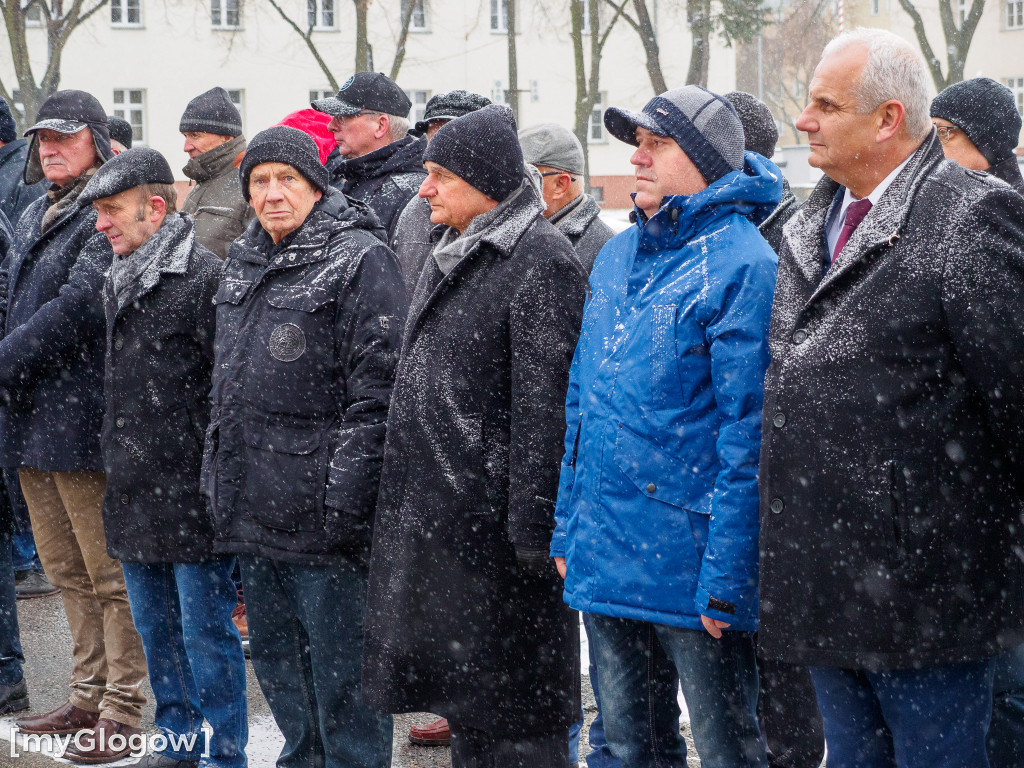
(306, 640)
(11, 657)
(936, 717)
(194, 654)
(600, 755)
(23, 552)
(638, 665)
(1006, 733)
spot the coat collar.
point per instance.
(402, 156)
(172, 243)
(573, 220)
(216, 161)
(882, 226)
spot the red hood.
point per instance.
(315, 124)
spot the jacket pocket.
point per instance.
(304, 298)
(286, 476)
(893, 506)
(658, 474)
(207, 472)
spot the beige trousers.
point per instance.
(67, 523)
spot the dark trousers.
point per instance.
(472, 748)
(11, 657)
(936, 717)
(306, 638)
(1006, 734)
(787, 711)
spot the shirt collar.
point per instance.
(876, 193)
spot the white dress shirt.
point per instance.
(836, 225)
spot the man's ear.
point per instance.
(383, 126)
(889, 118)
(562, 183)
(158, 206)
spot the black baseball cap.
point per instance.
(373, 91)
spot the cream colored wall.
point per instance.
(176, 55)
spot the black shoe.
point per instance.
(33, 584)
(13, 698)
(156, 760)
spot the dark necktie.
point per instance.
(854, 216)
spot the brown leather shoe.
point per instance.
(100, 745)
(66, 718)
(435, 734)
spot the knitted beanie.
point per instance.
(283, 144)
(483, 149)
(702, 123)
(985, 111)
(132, 168)
(120, 130)
(8, 128)
(760, 131)
(212, 112)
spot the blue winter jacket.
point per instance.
(657, 512)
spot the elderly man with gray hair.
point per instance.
(558, 156)
(893, 420)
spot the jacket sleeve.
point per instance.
(982, 285)
(738, 313)
(368, 329)
(544, 325)
(58, 327)
(567, 471)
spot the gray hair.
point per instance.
(894, 70)
(398, 127)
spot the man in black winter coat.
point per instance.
(51, 370)
(158, 300)
(15, 194)
(309, 316)
(891, 463)
(464, 615)
(383, 164)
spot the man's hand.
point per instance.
(560, 565)
(713, 626)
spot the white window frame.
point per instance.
(130, 105)
(596, 132)
(961, 12)
(1016, 85)
(237, 97)
(326, 18)
(420, 21)
(124, 8)
(419, 99)
(221, 12)
(498, 93)
(1014, 17)
(315, 94)
(34, 20)
(586, 15)
(499, 16)
(876, 7)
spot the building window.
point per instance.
(226, 14)
(499, 15)
(498, 93)
(961, 12)
(320, 14)
(586, 15)
(130, 105)
(418, 20)
(237, 97)
(595, 126)
(126, 13)
(315, 94)
(598, 194)
(1016, 84)
(1015, 14)
(34, 16)
(876, 7)
(419, 105)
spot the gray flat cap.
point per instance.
(552, 145)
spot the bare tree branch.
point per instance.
(307, 37)
(403, 36)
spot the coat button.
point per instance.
(291, 257)
(651, 487)
(119, 421)
(125, 498)
(779, 420)
(118, 343)
(799, 336)
(776, 506)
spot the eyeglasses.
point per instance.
(946, 132)
(558, 173)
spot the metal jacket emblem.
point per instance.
(287, 342)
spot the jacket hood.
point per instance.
(33, 172)
(214, 162)
(402, 156)
(1009, 171)
(754, 192)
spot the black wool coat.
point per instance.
(158, 363)
(891, 462)
(385, 179)
(308, 336)
(51, 355)
(583, 227)
(15, 194)
(454, 624)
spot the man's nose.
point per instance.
(641, 157)
(806, 121)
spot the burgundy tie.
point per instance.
(854, 215)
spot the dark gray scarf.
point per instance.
(166, 251)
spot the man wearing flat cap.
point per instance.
(309, 316)
(411, 239)
(51, 370)
(657, 504)
(558, 157)
(158, 299)
(383, 163)
(464, 616)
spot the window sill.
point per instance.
(328, 30)
(120, 25)
(419, 30)
(223, 28)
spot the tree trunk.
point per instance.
(698, 13)
(512, 96)
(958, 40)
(649, 38)
(584, 101)
(363, 63)
(403, 37)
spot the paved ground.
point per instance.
(47, 645)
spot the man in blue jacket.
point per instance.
(657, 514)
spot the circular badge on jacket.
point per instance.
(287, 342)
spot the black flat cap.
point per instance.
(448, 106)
(132, 168)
